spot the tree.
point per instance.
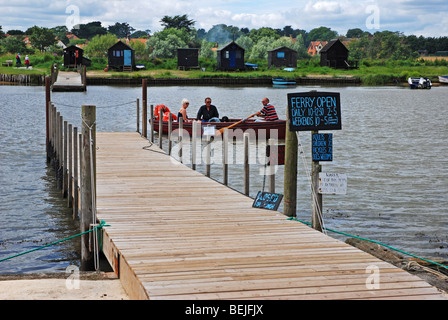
(41, 38)
(257, 34)
(14, 44)
(322, 34)
(2, 34)
(177, 22)
(60, 32)
(164, 44)
(98, 46)
(121, 30)
(89, 30)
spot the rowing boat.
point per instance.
(271, 129)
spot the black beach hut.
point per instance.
(230, 57)
(73, 56)
(187, 58)
(282, 57)
(334, 55)
(121, 57)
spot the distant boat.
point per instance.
(419, 83)
(443, 79)
(283, 82)
(251, 66)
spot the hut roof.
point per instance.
(121, 43)
(230, 44)
(331, 44)
(283, 48)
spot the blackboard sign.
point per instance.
(267, 200)
(322, 146)
(312, 111)
(276, 158)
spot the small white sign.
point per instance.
(209, 130)
(332, 183)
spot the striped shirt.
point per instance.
(269, 112)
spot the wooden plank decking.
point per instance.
(176, 234)
(68, 81)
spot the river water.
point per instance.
(392, 147)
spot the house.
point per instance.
(334, 55)
(121, 57)
(187, 58)
(315, 47)
(282, 57)
(230, 57)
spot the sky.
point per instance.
(428, 18)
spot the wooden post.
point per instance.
(273, 147)
(47, 114)
(145, 107)
(194, 139)
(75, 173)
(208, 156)
(181, 134)
(160, 128)
(65, 160)
(70, 166)
(170, 127)
(315, 195)
(151, 120)
(138, 115)
(88, 182)
(225, 157)
(290, 179)
(246, 164)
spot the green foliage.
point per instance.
(98, 46)
(164, 44)
(178, 22)
(41, 38)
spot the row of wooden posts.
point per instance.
(71, 151)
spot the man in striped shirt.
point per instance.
(268, 112)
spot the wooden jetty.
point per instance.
(67, 81)
(176, 234)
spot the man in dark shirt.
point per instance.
(208, 112)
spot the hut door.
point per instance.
(127, 58)
(232, 58)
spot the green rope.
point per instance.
(374, 241)
(100, 226)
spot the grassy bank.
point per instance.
(371, 72)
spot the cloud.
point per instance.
(323, 7)
(409, 16)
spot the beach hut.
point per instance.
(121, 57)
(230, 57)
(282, 57)
(334, 55)
(73, 56)
(187, 58)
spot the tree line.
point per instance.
(179, 32)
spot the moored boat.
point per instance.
(268, 129)
(443, 79)
(419, 83)
(283, 82)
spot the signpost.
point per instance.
(312, 111)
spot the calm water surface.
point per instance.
(392, 146)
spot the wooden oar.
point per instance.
(220, 131)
